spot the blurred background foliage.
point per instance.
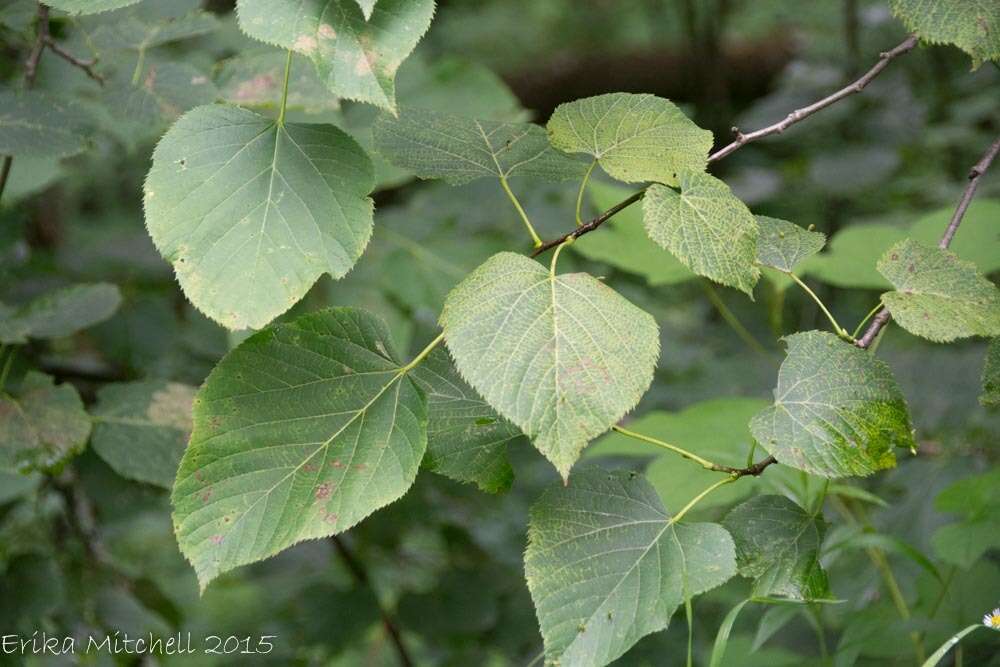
(90, 550)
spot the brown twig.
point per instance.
(975, 174)
(754, 470)
(44, 40)
(86, 65)
(361, 577)
(742, 139)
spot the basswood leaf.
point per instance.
(60, 313)
(89, 6)
(300, 432)
(35, 124)
(938, 296)
(142, 428)
(42, 425)
(356, 58)
(563, 357)
(459, 149)
(157, 97)
(251, 211)
(991, 375)
(624, 244)
(782, 245)
(705, 226)
(466, 440)
(633, 137)
(777, 545)
(971, 25)
(143, 28)
(837, 410)
(606, 567)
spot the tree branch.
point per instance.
(42, 40)
(742, 139)
(361, 577)
(975, 174)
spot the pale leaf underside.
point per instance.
(837, 410)
(706, 227)
(563, 357)
(633, 137)
(938, 296)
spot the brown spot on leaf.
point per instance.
(216, 539)
(323, 491)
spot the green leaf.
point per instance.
(251, 212)
(460, 149)
(42, 425)
(991, 375)
(715, 430)
(563, 357)
(254, 79)
(782, 245)
(89, 6)
(142, 428)
(356, 58)
(466, 440)
(722, 637)
(633, 137)
(606, 566)
(624, 244)
(300, 432)
(157, 97)
(976, 241)
(837, 410)
(60, 313)
(35, 124)
(975, 499)
(706, 227)
(939, 296)
(777, 545)
(140, 31)
(971, 25)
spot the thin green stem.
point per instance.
(753, 449)
(140, 65)
(704, 463)
(731, 319)
(816, 622)
(697, 499)
(555, 257)
(689, 613)
(579, 195)
(870, 315)
(837, 329)
(535, 238)
(284, 88)
(6, 365)
(423, 354)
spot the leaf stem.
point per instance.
(284, 88)
(579, 195)
(731, 319)
(704, 463)
(694, 501)
(535, 238)
(555, 257)
(837, 329)
(422, 355)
